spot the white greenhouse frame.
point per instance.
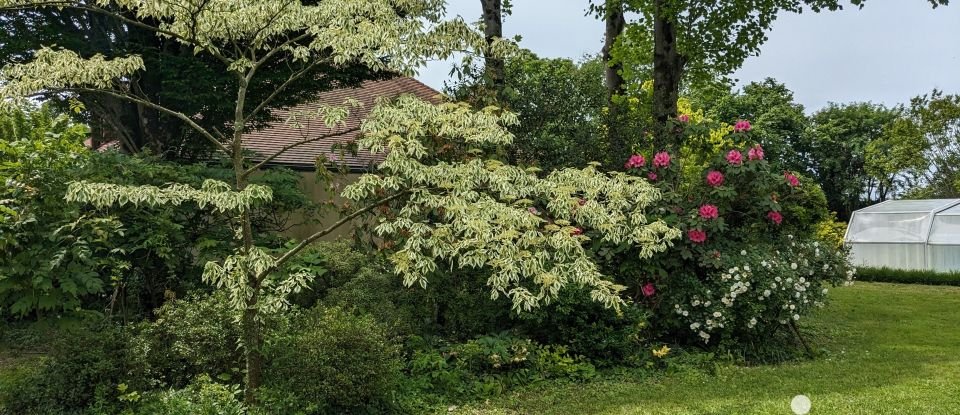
(906, 234)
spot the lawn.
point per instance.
(885, 349)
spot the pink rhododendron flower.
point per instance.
(683, 118)
(755, 153)
(697, 236)
(635, 161)
(576, 231)
(741, 126)
(792, 180)
(533, 210)
(775, 217)
(734, 157)
(648, 289)
(714, 178)
(661, 159)
(652, 176)
(709, 212)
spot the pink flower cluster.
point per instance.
(775, 217)
(755, 153)
(661, 159)
(684, 118)
(715, 178)
(648, 289)
(735, 157)
(635, 161)
(709, 212)
(697, 236)
(741, 126)
(791, 179)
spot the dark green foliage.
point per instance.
(587, 329)
(82, 372)
(491, 365)
(559, 103)
(908, 276)
(839, 136)
(51, 254)
(188, 337)
(330, 361)
(57, 257)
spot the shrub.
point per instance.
(201, 397)
(83, 370)
(589, 329)
(756, 292)
(736, 213)
(908, 276)
(189, 337)
(330, 361)
(490, 365)
(831, 231)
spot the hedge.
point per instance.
(908, 276)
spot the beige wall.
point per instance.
(317, 192)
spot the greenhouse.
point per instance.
(907, 234)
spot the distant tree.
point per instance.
(920, 154)
(559, 104)
(693, 40)
(838, 138)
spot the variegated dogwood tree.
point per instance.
(524, 228)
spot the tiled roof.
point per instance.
(278, 134)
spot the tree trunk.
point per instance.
(494, 69)
(617, 145)
(251, 325)
(667, 71)
(253, 352)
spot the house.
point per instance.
(321, 143)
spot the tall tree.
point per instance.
(920, 154)
(612, 13)
(696, 40)
(494, 70)
(839, 136)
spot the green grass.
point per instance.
(908, 276)
(886, 349)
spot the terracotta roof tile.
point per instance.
(278, 134)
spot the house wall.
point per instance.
(317, 192)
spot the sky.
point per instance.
(886, 53)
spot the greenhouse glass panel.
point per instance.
(906, 234)
(889, 227)
(898, 256)
(946, 227)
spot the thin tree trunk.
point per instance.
(617, 145)
(667, 72)
(252, 333)
(494, 68)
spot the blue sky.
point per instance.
(886, 53)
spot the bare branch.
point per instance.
(160, 108)
(293, 78)
(312, 238)
(293, 145)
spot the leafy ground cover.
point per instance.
(884, 349)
